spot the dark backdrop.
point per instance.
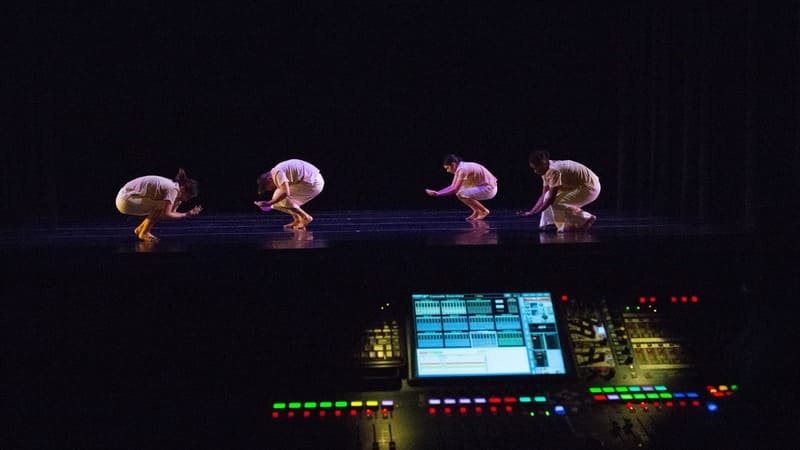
(685, 109)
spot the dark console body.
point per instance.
(533, 369)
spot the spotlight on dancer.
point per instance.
(471, 183)
(157, 198)
(294, 183)
(566, 187)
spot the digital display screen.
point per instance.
(485, 335)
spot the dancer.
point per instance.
(157, 198)
(566, 187)
(472, 183)
(295, 182)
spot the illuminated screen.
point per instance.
(485, 335)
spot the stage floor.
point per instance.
(185, 341)
(210, 233)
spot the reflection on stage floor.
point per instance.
(346, 229)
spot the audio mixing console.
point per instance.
(540, 369)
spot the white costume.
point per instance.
(143, 195)
(476, 181)
(305, 182)
(577, 186)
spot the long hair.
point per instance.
(189, 185)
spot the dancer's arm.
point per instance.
(454, 187)
(281, 192)
(545, 200)
(171, 210)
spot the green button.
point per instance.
(279, 406)
(622, 389)
(295, 405)
(310, 405)
(595, 390)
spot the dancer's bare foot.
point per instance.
(290, 225)
(142, 228)
(302, 223)
(147, 237)
(473, 216)
(568, 228)
(480, 215)
(588, 224)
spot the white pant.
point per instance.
(566, 209)
(301, 193)
(137, 206)
(482, 192)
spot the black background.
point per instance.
(682, 108)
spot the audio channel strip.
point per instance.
(537, 369)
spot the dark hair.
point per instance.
(451, 158)
(261, 181)
(538, 156)
(189, 185)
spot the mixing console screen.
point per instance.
(485, 334)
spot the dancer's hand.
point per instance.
(194, 211)
(524, 213)
(264, 206)
(431, 192)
